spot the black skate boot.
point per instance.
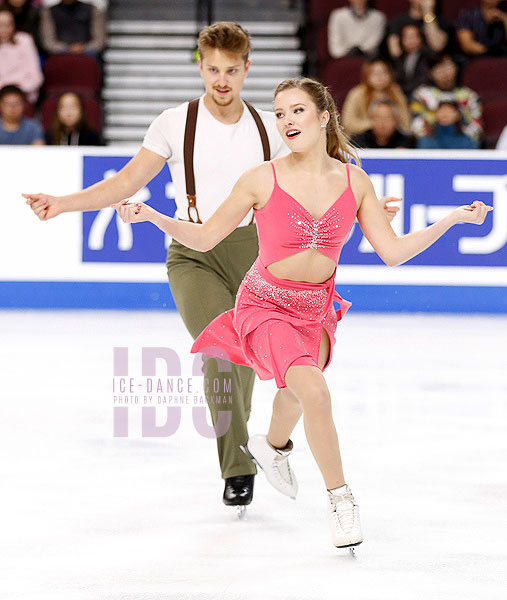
(238, 492)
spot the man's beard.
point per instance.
(226, 101)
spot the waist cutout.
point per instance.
(297, 285)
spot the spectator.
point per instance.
(423, 14)
(73, 26)
(412, 68)
(377, 84)
(448, 131)
(70, 126)
(19, 60)
(26, 17)
(356, 30)
(481, 30)
(443, 86)
(384, 132)
(14, 128)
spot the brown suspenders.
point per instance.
(188, 152)
(188, 157)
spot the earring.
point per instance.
(323, 126)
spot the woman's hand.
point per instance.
(472, 213)
(134, 213)
(44, 206)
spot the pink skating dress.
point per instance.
(276, 323)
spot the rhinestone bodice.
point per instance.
(285, 227)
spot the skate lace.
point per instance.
(343, 510)
(282, 469)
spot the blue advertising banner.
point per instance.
(106, 238)
(429, 188)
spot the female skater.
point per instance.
(283, 323)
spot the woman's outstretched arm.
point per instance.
(205, 236)
(395, 250)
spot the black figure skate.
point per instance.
(238, 492)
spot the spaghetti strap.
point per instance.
(348, 174)
(274, 172)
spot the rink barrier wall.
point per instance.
(157, 296)
(93, 260)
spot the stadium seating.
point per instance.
(486, 76)
(391, 8)
(494, 114)
(319, 10)
(29, 110)
(72, 73)
(341, 75)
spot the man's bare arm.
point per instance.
(135, 174)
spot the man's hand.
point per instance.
(134, 213)
(77, 48)
(427, 6)
(44, 206)
(498, 15)
(390, 211)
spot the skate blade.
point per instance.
(241, 512)
(250, 455)
(351, 548)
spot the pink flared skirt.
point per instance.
(275, 323)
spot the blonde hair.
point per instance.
(338, 143)
(226, 36)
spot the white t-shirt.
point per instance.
(222, 153)
(346, 31)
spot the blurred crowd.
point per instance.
(50, 72)
(412, 68)
(403, 75)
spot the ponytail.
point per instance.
(338, 143)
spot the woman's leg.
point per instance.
(286, 413)
(309, 387)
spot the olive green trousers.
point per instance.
(204, 285)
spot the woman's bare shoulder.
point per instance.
(258, 173)
(360, 183)
(258, 176)
(357, 174)
(339, 166)
(258, 182)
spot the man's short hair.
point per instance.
(12, 89)
(226, 36)
(384, 102)
(437, 59)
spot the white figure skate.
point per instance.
(274, 463)
(343, 514)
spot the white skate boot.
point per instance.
(274, 463)
(343, 514)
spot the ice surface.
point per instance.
(419, 402)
